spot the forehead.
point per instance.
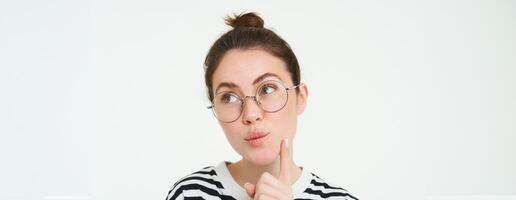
(242, 67)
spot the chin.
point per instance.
(262, 158)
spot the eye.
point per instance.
(228, 98)
(268, 89)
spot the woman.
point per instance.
(253, 81)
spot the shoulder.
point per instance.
(201, 181)
(321, 189)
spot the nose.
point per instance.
(251, 111)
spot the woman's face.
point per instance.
(240, 68)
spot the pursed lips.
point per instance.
(256, 135)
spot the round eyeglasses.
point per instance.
(271, 96)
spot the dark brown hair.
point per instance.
(248, 32)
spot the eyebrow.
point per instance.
(256, 81)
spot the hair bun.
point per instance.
(250, 19)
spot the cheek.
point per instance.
(231, 132)
(284, 122)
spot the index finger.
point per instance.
(285, 161)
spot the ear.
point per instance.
(302, 98)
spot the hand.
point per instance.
(270, 187)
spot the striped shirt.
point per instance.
(217, 183)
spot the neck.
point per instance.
(244, 171)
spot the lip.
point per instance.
(255, 138)
(256, 135)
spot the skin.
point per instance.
(267, 171)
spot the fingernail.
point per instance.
(286, 142)
(246, 184)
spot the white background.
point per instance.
(408, 99)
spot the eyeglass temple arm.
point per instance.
(294, 87)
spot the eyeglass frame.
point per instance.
(242, 100)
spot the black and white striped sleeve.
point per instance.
(198, 185)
